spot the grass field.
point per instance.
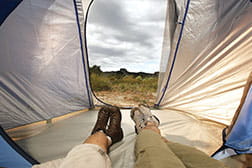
(124, 90)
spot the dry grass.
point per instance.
(124, 90)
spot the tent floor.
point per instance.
(55, 139)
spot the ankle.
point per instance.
(150, 123)
(99, 138)
(152, 127)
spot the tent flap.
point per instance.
(213, 59)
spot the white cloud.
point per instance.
(126, 34)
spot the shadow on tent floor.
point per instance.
(56, 139)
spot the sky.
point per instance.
(126, 34)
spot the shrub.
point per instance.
(137, 88)
(100, 83)
(150, 83)
(139, 78)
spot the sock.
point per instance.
(108, 137)
(109, 140)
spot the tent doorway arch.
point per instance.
(124, 45)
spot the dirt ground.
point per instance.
(126, 99)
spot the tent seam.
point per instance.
(82, 52)
(175, 54)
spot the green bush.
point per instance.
(100, 83)
(150, 83)
(139, 78)
(129, 83)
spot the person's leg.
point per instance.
(93, 152)
(149, 137)
(192, 157)
(100, 139)
(152, 152)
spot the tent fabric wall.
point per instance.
(171, 21)
(213, 60)
(44, 72)
(43, 68)
(239, 134)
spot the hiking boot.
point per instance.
(102, 120)
(114, 130)
(141, 115)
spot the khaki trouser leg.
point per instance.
(152, 152)
(193, 158)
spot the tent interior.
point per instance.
(52, 140)
(47, 105)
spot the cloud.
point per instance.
(98, 50)
(126, 34)
(108, 14)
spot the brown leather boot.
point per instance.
(114, 130)
(102, 120)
